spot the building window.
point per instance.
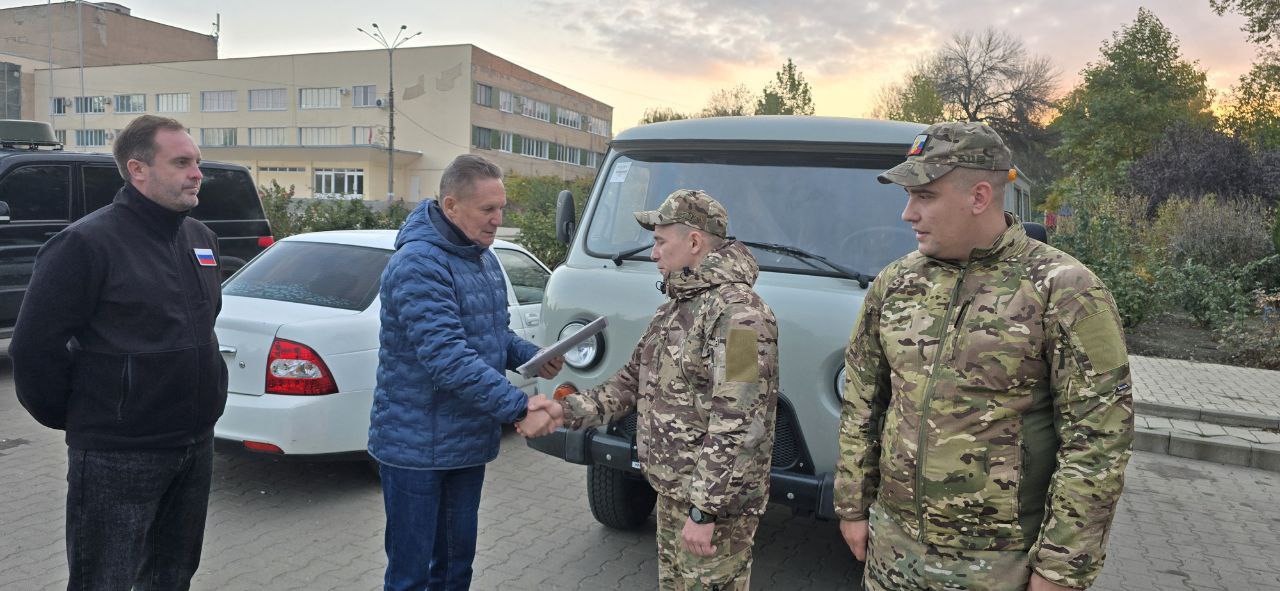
(61, 135)
(484, 138)
(319, 136)
(505, 141)
(59, 105)
(366, 136)
(534, 148)
(319, 98)
(346, 183)
(281, 169)
(267, 136)
(218, 100)
(176, 102)
(91, 104)
(597, 126)
(218, 136)
(535, 109)
(364, 96)
(131, 103)
(484, 95)
(91, 137)
(568, 154)
(506, 101)
(569, 118)
(268, 99)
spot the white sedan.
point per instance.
(299, 332)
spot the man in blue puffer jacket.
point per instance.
(442, 396)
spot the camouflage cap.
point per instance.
(691, 208)
(942, 147)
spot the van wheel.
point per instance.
(618, 499)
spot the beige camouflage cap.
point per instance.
(944, 146)
(691, 208)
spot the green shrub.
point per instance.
(1255, 341)
(1215, 232)
(1108, 235)
(289, 216)
(532, 210)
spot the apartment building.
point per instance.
(320, 122)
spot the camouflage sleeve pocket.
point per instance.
(1103, 343)
(742, 359)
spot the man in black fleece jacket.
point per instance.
(114, 344)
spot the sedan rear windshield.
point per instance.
(319, 274)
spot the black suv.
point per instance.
(45, 189)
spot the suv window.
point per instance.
(528, 278)
(227, 195)
(330, 275)
(40, 192)
(101, 183)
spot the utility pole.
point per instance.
(390, 46)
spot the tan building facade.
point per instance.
(319, 122)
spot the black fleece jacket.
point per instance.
(114, 342)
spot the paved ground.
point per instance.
(1206, 385)
(1182, 525)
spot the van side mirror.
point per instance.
(4, 212)
(1036, 231)
(566, 217)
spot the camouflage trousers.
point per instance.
(897, 562)
(680, 570)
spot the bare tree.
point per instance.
(731, 102)
(990, 77)
(657, 114)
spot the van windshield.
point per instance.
(823, 204)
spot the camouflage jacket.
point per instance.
(988, 406)
(704, 382)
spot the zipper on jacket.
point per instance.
(926, 402)
(126, 381)
(191, 321)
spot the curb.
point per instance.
(1207, 415)
(1221, 450)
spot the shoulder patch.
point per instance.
(741, 356)
(1102, 341)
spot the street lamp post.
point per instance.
(390, 45)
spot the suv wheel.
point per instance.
(618, 499)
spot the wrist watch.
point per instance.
(701, 517)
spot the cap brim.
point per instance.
(647, 219)
(913, 173)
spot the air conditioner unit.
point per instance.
(380, 103)
(344, 91)
(106, 100)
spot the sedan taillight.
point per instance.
(294, 368)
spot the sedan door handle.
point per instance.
(532, 319)
(227, 350)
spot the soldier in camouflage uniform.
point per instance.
(987, 412)
(704, 381)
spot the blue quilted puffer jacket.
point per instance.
(442, 396)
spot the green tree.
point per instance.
(656, 114)
(788, 94)
(1139, 87)
(915, 99)
(1262, 17)
(289, 216)
(533, 211)
(1253, 108)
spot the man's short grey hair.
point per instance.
(460, 177)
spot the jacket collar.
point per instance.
(730, 263)
(1011, 241)
(428, 223)
(153, 215)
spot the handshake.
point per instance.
(544, 417)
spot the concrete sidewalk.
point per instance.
(1206, 411)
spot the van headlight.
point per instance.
(587, 353)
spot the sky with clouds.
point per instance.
(676, 53)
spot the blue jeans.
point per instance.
(135, 518)
(431, 527)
